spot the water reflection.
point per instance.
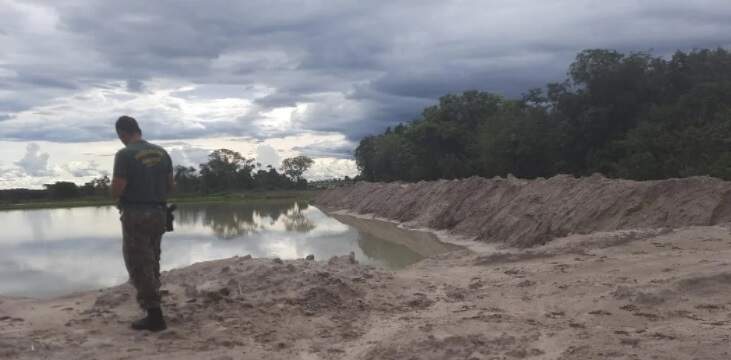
(51, 252)
(230, 221)
(388, 253)
(295, 220)
(393, 246)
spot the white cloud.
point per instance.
(82, 163)
(188, 155)
(34, 163)
(90, 115)
(8, 175)
(267, 155)
(83, 168)
(328, 168)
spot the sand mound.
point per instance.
(526, 213)
(267, 305)
(634, 295)
(258, 298)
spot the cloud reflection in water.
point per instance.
(55, 251)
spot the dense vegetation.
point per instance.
(226, 171)
(631, 116)
(60, 190)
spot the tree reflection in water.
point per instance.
(295, 219)
(234, 220)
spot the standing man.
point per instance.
(142, 180)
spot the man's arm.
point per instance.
(118, 186)
(119, 176)
(171, 174)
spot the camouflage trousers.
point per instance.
(142, 231)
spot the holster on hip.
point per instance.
(170, 217)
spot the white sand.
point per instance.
(663, 292)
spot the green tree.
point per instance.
(295, 167)
(624, 115)
(97, 187)
(271, 179)
(186, 179)
(62, 190)
(226, 170)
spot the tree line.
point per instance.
(225, 171)
(228, 170)
(60, 190)
(632, 116)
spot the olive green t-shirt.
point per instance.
(147, 168)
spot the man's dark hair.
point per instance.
(128, 124)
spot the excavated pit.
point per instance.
(526, 213)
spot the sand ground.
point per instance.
(632, 294)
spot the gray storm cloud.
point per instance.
(360, 65)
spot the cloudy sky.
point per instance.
(273, 79)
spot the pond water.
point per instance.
(50, 252)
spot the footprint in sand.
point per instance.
(648, 316)
(600, 313)
(555, 314)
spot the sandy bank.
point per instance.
(526, 213)
(659, 292)
(662, 294)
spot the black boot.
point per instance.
(153, 322)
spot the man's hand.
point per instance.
(118, 186)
